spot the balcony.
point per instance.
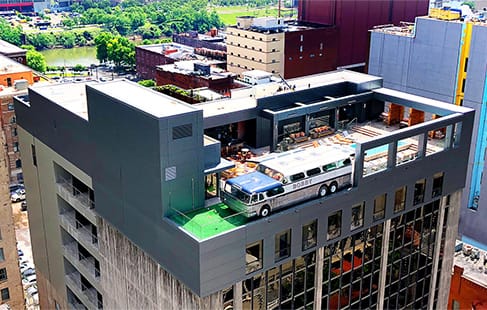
(82, 233)
(87, 295)
(79, 200)
(86, 265)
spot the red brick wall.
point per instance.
(193, 81)
(147, 61)
(464, 291)
(318, 52)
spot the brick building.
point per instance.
(468, 288)
(290, 50)
(14, 79)
(11, 51)
(195, 74)
(11, 292)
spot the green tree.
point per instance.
(36, 61)
(121, 51)
(79, 68)
(101, 42)
(10, 34)
(471, 4)
(147, 83)
(67, 39)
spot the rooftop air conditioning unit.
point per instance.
(21, 84)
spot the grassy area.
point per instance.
(208, 222)
(229, 14)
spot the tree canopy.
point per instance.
(115, 48)
(36, 61)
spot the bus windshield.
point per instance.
(237, 193)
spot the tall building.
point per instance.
(11, 291)
(354, 18)
(126, 210)
(443, 60)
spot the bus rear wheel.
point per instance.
(265, 211)
(323, 191)
(333, 187)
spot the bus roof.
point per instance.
(254, 182)
(295, 161)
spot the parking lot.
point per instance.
(21, 223)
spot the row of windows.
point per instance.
(245, 36)
(310, 56)
(253, 58)
(309, 231)
(253, 48)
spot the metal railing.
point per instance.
(91, 294)
(83, 232)
(82, 197)
(89, 263)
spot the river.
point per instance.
(85, 55)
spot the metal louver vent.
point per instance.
(170, 173)
(182, 131)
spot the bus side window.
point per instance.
(329, 167)
(275, 191)
(254, 198)
(261, 197)
(313, 171)
(345, 162)
(297, 176)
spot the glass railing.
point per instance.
(83, 232)
(71, 249)
(82, 197)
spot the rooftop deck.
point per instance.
(219, 218)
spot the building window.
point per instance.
(437, 184)
(379, 207)
(16, 146)
(2, 255)
(10, 106)
(13, 120)
(301, 38)
(419, 191)
(357, 216)
(18, 164)
(5, 294)
(14, 132)
(3, 274)
(253, 257)
(321, 46)
(301, 48)
(273, 49)
(274, 39)
(334, 225)
(310, 235)
(34, 157)
(283, 245)
(182, 131)
(0, 234)
(400, 199)
(455, 305)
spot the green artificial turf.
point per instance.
(208, 222)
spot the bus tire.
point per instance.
(333, 187)
(265, 211)
(323, 191)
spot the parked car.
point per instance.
(24, 266)
(29, 280)
(20, 253)
(18, 195)
(23, 206)
(28, 272)
(15, 187)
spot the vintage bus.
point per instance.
(284, 179)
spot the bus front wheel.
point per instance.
(323, 191)
(333, 187)
(265, 211)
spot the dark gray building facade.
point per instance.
(112, 168)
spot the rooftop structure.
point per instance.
(444, 60)
(11, 51)
(469, 279)
(104, 198)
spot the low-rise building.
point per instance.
(11, 51)
(290, 50)
(192, 74)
